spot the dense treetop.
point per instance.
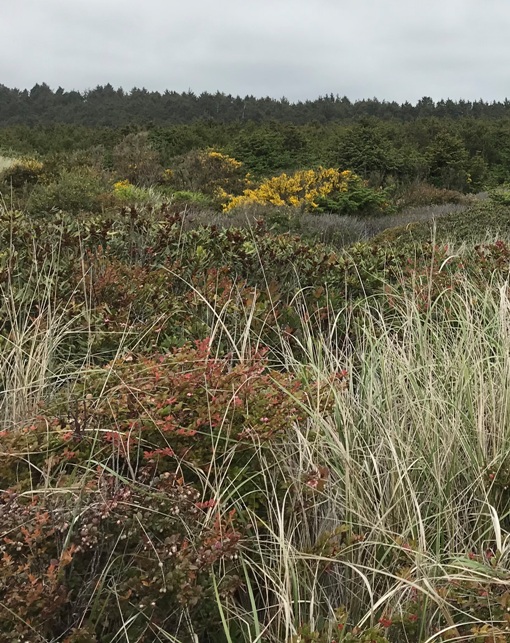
(106, 105)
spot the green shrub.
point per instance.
(185, 197)
(500, 195)
(361, 200)
(207, 171)
(137, 161)
(23, 171)
(125, 193)
(74, 191)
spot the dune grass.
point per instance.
(396, 496)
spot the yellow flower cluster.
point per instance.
(31, 165)
(121, 186)
(224, 158)
(125, 191)
(301, 189)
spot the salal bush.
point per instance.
(124, 499)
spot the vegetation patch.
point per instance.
(255, 379)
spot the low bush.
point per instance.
(484, 221)
(136, 160)
(73, 192)
(425, 194)
(207, 171)
(21, 172)
(125, 193)
(194, 199)
(121, 506)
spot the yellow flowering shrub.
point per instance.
(224, 159)
(122, 187)
(323, 189)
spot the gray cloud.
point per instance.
(395, 50)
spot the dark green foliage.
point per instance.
(448, 161)
(452, 152)
(45, 139)
(72, 191)
(359, 200)
(105, 105)
(367, 150)
(271, 149)
(177, 140)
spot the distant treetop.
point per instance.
(107, 106)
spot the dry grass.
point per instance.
(6, 162)
(339, 230)
(407, 453)
(408, 449)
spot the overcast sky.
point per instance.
(392, 49)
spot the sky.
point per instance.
(393, 49)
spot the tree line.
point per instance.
(107, 106)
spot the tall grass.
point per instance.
(45, 342)
(390, 496)
(34, 327)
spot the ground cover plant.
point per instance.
(258, 423)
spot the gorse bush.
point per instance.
(314, 190)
